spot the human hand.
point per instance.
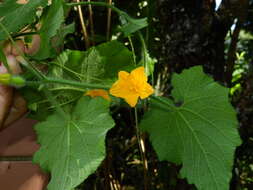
(13, 106)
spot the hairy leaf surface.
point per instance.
(97, 65)
(198, 131)
(72, 148)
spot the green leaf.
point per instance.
(51, 23)
(72, 148)
(199, 131)
(64, 30)
(117, 58)
(37, 103)
(8, 6)
(15, 16)
(99, 64)
(92, 66)
(131, 25)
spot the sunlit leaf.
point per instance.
(98, 64)
(198, 130)
(73, 147)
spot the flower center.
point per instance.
(135, 87)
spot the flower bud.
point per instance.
(8, 79)
(5, 78)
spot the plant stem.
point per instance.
(83, 85)
(85, 33)
(144, 49)
(132, 48)
(150, 10)
(141, 149)
(75, 83)
(144, 54)
(101, 4)
(25, 34)
(109, 14)
(30, 67)
(91, 24)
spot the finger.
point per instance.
(13, 64)
(18, 49)
(6, 92)
(17, 110)
(10, 49)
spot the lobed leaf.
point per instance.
(73, 147)
(99, 64)
(199, 131)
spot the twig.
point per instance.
(91, 24)
(142, 150)
(132, 48)
(85, 34)
(101, 4)
(72, 83)
(109, 14)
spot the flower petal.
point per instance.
(98, 93)
(147, 91)
(131, 99)
(138, 75)
(120, 89)
(132, 86)
(123, 75)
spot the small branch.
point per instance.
(91, 24)
(109, 14)
(85, 34)
(25, 34)
(142, 150)
(132, 49)
(49, 80)
(101, 4)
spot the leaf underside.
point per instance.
(72, 148)
(199, 131)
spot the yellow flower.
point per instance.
(131, 86)
(98, 92)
